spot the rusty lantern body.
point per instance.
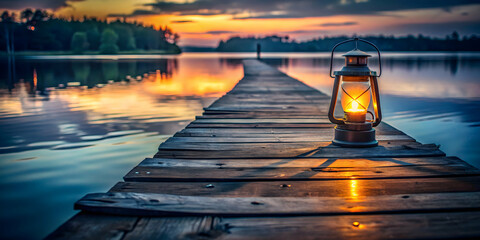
(356, 85)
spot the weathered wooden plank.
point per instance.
(286, 188)
(382, 129)
(292, 150)
(300, 162)
(238, 136)
(94, 226)
(274, 98)
(273, 105)
(293, 109)
(143, 204)
(294, 147)
(254, 115)
(221, 174)
(260, 125)
(273, 139)
(263, 120)
(263, 114)
(225, 132)
(458, 225)
(454, 225)
(175, 228)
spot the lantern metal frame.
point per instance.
(356, 134)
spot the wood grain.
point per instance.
(143, 204)
(259, 164)
(310, 188)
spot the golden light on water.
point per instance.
(189, 86)
(35, 79)
(164, 96)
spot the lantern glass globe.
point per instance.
(355, 96)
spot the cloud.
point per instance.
(339, 24)
(214, 32)
(304, 32)
(36, 4)
(220, 32)
(295, 9)
(182, 21)
(269, 16)
(137, 12)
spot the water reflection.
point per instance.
(40, 75)
(406, 75)
(98, 97)
(69, 127)
(433, 97)
(76, 125)
(411, 86)
(424, 109)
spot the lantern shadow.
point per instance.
(368, 168)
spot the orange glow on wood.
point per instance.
(353, 189)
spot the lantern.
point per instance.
(357, 87)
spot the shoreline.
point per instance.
(87, 53)
(230, 55)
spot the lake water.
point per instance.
(72, 125)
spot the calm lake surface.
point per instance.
(77, 124)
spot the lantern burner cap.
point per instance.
(356, 53)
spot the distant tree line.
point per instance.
(41, 31)
(452, 42)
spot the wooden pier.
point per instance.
(259, 164)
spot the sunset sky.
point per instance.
(205, 22)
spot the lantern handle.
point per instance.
(333, 51)
(356, 43)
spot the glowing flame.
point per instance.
(355, 107)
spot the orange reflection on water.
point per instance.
(35, 79)
(191, 85)
(195, 77)
(165, 92)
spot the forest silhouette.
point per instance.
(275, 43)
(38, 30)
